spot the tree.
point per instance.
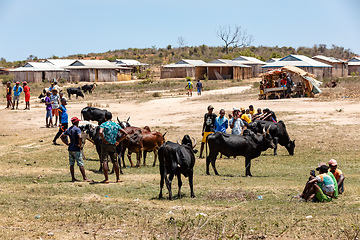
(181, 41)
(238, 38)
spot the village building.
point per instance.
(181, 69)
(97, 71)
(4, 71)
(271, 60)
(354, 66)
(36, 72)
(318, 69)
(135, 65)
(339, 67)
(223, 69)
(254, 63)
(61, 63)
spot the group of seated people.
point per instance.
(326, 186)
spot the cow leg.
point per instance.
(144, 162)
(211, 159)
(129, 157)
(247, 166)
(155, 156)
(138, 159)
(191, 183)
(275, 140)
(179, 184)
(162, 175)
(168, 183)
(119, 162)
(123, 156)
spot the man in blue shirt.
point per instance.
(74, 148)
(108, 133)
(63, 119)
(17, 90)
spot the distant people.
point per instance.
(199, 87)
(289, 84)
(17, 90)
(268, 115)
(208, 126)
(63, 120)
(8, 95)
(74, 148)
(221, 122)
(339, 176)
(27, 95)
(262, 88)
(247, 111)
(189, 86)
(244, 116)
(51, 87)
(324, 191)
(257, 114)
(236, 124)
(49, 122)
(108, 133)
(55, 101)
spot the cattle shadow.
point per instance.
(238, 175)
(175, 197)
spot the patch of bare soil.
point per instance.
(239, 195)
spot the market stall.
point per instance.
(288, 81)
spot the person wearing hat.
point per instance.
(27, 95)
(326, 188)
(17, 90)
(63, 120)
(74, 148)
(55, 100)
(339, 176)
(8, 95)
(208, 126)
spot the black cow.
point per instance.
(88, 88)
(250, 145)
(278, 133)
(76, 91)
(42, 97)
(176, 159)
(93, 114)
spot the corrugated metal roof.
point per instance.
(248, 60)
(354, 61)
(186, 63)
(61, 62)
(224, 63)
(129, 62)
(328, 59)
(272, 60)
(297, 61)
(38, 66)
(96, 64)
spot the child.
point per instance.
(189, 87)
(8, 95)
(27, 95)
(48, 110)
(55, 101)
(17, 90)
(63, 120)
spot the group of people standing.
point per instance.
(237, 121)
(17, 90)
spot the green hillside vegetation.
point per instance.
(160, 56)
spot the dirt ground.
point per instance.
(23, 135)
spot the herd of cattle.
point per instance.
(179, 158)
(79, 91)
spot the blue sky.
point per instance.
(51, 27)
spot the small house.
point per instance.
(97, 71)
(318, 69)
(223, 69)
(135, 65)
(254, 63)
(354, 65)
(181, 69)
(339, 67)
(36, 72)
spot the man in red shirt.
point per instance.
(27, 95)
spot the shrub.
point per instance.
(156, 94)
(62, 80)
(6, 78)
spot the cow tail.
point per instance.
(206, 146)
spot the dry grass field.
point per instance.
(38, 201)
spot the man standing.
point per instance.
(8, 95)
(17, 90)
(108, 133)
(27, 95)
(74, 148)
(199, 87)
(63, 119)
(208, 126)
(289, 84)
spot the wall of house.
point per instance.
(319, 72)
(338, 69)
(354, 69)
(177, 72)
(37, 76)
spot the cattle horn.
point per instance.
(264, 131)
(128, 119)
(268, 130)
(164, 134)
(194, 145)
(178, 141)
